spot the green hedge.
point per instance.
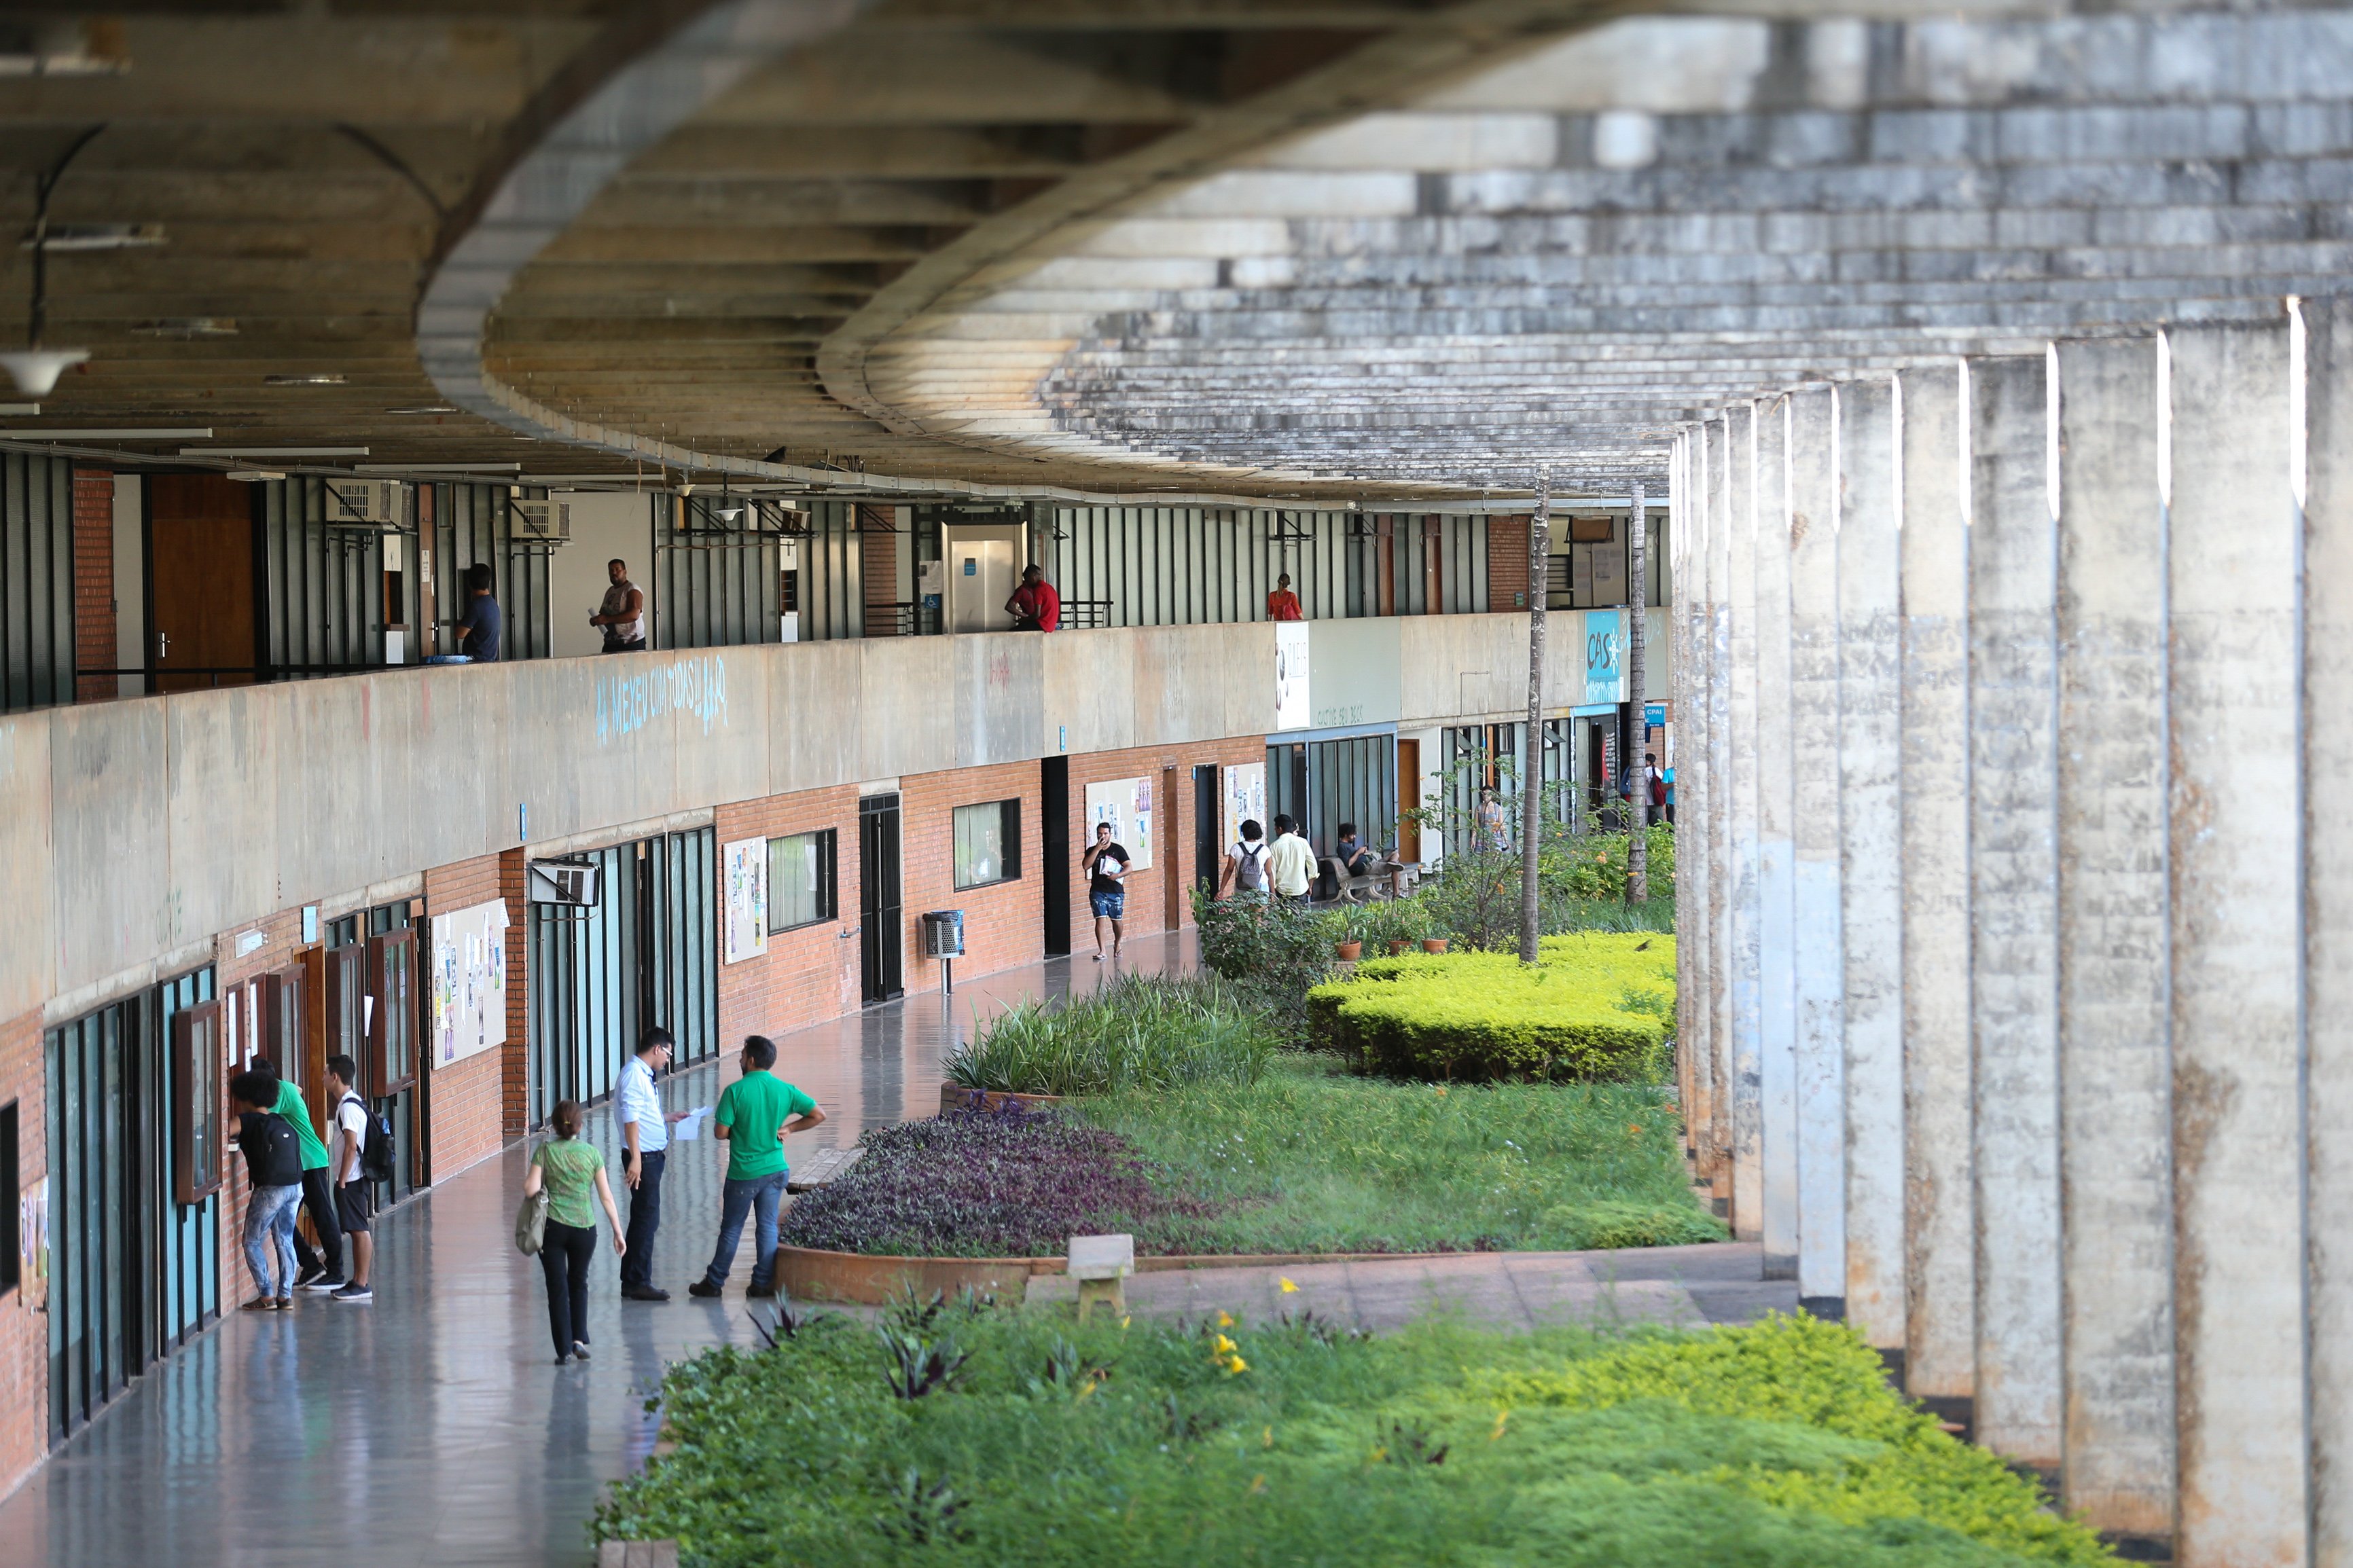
(1595, 1008)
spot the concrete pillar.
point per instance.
(1715, 453)
(1776, 996)
(1940, 1266)
(2014, 905)
(1691, 675)
(2328, 338)
(2234, 550)
(2113, 966)
(1871, 880)
(1818, 963)
(1741, 825)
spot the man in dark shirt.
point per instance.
(1106, 864)
(481, 627)
(273, 1160)
(1035, 606)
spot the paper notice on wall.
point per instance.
(743, 871)
(1245, 801)
(1126, 804)
(468, 982)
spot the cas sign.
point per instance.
(1605, 673)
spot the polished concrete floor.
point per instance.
(432, 1426)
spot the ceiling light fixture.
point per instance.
(427, 408)
(193, 433)
(254, 476)
(94, 237)
(305, 378)
(436, 467)
(187, 329)
(273, 451)
(35, 368)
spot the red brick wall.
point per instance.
(468, 1099)
(23, 1332)
(1005, 922)
(809, 974)
(1508, 563)
(514, 1059)
(1148, 909)
(93, 572)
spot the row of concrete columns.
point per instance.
(2015, 779)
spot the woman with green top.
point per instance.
(571, 1171)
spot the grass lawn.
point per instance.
(1309, 1159)
(1777, 1445)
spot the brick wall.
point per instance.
(1148, 909)
(514, 1059)
(467, 1099)
(1508, 561)
(1005, 922)
(23, 1332)
(808, 974)
(93, 575)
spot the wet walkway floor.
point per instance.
(431, 1427)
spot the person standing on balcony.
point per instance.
(623, 613)
(481, 628)
(1035, 606)
(1282, 605)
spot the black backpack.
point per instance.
(274, 1154)
(375, 1150)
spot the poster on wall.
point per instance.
(469, 982)
(33, 1243)
(744, 868)
(1126, 804)
(1245, 801)
(1291, 699)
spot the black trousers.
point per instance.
(564, 1256)
(645, 1218)
(319, 1202)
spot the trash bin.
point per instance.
(943, 933)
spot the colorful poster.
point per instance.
(1126, 804)
(468, 982)
(1245, 801)
(743, 870)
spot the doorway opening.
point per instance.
(203, 608)
(880, 911)
(1054, 834)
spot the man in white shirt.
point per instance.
(1291, 861)
(644, 1140)
(347, 1166)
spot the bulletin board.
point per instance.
(1245, 801)
(469, 982)
(1126, 804)
(743, 871)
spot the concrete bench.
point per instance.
(637, 1554)
(819, 1168)
(1100, 1264)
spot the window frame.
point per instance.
(200, 1119)
(829, 877)
(1010, 823)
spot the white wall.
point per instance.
(603, 526)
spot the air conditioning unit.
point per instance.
(374, 506)
(576, 884)
(541, 521)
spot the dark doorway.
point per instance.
(1208, 832)
(878, 909)
(1172, 877)
(202, 612)
(1054, 784)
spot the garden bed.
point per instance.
(994, 1436)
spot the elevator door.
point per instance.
(984, 568)
(880, 913)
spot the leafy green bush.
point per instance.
(1272, 950)
(1590, 1010)
(1139, 1032)
(1059, 1443)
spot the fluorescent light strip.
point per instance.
(198, 435)
(273, 451)
(436, 467)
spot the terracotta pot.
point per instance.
(1433, 944)
(1351, 951)
(954, 1097)
(1399, 944)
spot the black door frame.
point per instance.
(1054, 832)
(881, 900)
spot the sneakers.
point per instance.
(579, 1351)
(285, 1303)
(702, 1288)
(354, 1292)
(320, 1284)
(262, 1304)
(316, 1271)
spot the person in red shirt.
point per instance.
(1035, 606)
(1282, 605)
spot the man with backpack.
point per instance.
(273, 1162)
(320, 1272)
(361, 1150)
(1246, 863)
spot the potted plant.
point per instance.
(1348, 928)
(1394, 924)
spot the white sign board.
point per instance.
(1292, 707)
(1126, 804)
(743, 873)
(1245, 801)
(469, 982)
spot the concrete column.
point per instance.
(1691, 675)
(2014, 905)
(1741, 826)
(1777, 1022)
(1870, 879)
(2115, 1115)
(1714, 450)
(2237, 954)
(1940, 1266)
(1818, 957)
(2328, 907)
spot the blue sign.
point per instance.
(1605, 640)
(1654, 716)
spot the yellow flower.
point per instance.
(1379, 1454)
(1224, 1320)
(1236, 1367)
(1123, 1323)
(1266, 1439)
(1258, 1485)
(1288, 1288)
(1222, 1345)
(1501, 1416)
(1087, 1387)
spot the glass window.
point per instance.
(800, 879)
(987, 843)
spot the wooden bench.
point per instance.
(818, 1168)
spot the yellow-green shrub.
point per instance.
(1595, 1008)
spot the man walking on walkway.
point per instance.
(1291, 862)
(754, 1114)
(354, 1195)
(1105, 863)
(644, 1136)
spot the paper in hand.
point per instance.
(689, 1129)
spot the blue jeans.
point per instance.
(269, 1227)
(760, 1193)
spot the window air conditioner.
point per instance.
(575, 883)
(542, 521)
(368, 505)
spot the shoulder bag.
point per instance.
(531, 1220)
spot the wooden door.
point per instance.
(1433, 565)
(1172, 864)
(1408, 776)
(200, 581)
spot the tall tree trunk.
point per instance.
(1638, 845)
(1531, 737)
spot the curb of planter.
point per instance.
(956, 1096)
(867, 1280)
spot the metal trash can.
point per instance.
(943, 933)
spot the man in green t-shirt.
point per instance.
(754, 1114)
(313, 1273)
